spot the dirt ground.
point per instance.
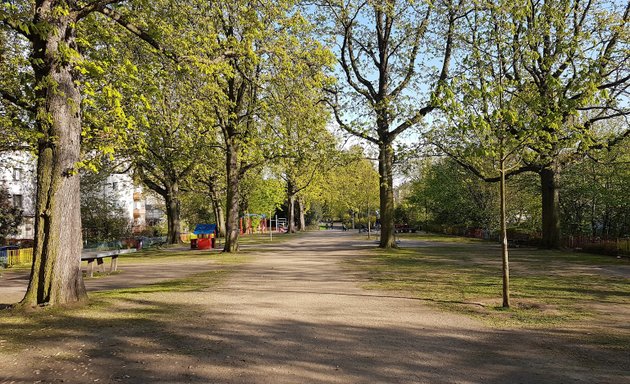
(296, 315)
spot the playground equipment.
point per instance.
(206, 236)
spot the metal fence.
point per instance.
(614, 246)
(602, 245)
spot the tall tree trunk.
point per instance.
(291, 207)
(233, 179)
(172, 214)
(302, 212)
(386, 194)
(504, 239)
(550, 208)
(56, 271)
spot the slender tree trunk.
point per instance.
(56, 271)
(233, 179)
(291, 207)
(504, 239)
(217, 207)
(302, 213)
(550, 208)
(386, 194)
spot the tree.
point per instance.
(593, 200)
(483, 131)
(51, 93)
(569, 63)
(209, 181)
(262, 194)
(10, 215)
(266, 35)
(173, 134)
(449, 195)
(383, 49)
(308, 148)
(349, 188)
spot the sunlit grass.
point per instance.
(547, 287)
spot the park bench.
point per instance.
(404, 228)
(100, 256)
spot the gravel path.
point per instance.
(295, 314)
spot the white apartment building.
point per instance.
(143, 208)
(18, 171)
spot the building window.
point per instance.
(17, 201)
(17, 174)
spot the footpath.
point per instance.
(297, 314)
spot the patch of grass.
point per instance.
(196, 282)
(547, 287)
(438, 238)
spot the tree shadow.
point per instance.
(153, 340)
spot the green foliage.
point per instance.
(351, 186)
(594, 195)
(102, 217)
(261, 195)
(443, 195)
(196, 208)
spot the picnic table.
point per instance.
(100, 255)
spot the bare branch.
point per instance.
(335, 107)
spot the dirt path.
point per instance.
(296, 315)
(13, 284)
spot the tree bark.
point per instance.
(233, 179)
(386, 194)
(290, 207)
(504, 239)
(56, 271)
(550, 208)
(302, 213)
(173, 214)
(217, 207)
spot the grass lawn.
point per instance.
(547, 287)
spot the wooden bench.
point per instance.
(100, 256)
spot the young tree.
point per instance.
(385, 49)
(483, 131)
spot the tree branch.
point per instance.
(122, 21)
(335, 107)
(17, 101)
(94, 6)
